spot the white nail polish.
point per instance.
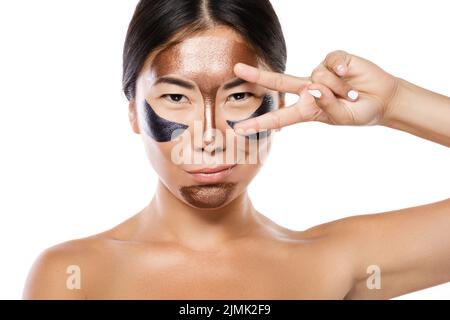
(352, 94)
(315, 93)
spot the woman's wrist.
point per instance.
(394, 106)
(418, 111)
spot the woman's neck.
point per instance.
(197, 228)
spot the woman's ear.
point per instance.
(132, 116)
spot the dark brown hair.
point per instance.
(155, 22)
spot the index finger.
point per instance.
(272, 80)
(279, 118)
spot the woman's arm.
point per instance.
(411, 248)
(421, 112)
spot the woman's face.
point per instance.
(187, 100)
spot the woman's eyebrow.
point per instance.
(185, 84)
(234, 83)
(175, 81)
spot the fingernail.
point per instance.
(352, 94)
(243, 131)
(239, 128)
(340, 69)
(315, 93)
(238, 131)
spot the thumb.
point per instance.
(338, 62)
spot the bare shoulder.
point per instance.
(46, 279)
(64, 270)
(338, 236)
(324, 257)
(60, 272)
(338, 231)
(342, 238)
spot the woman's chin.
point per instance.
(208, 196)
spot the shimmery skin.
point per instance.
(208, 195)
(266, 106)
(207, 62)
(160, 129)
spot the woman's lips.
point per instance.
(211, 175)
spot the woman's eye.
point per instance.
(175, 98)
(239, 96)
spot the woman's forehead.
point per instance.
(203, 57)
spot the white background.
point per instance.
(71, 167)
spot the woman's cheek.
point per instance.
(157, 127)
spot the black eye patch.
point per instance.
(163, 130)
(266, 106)
(158, 128)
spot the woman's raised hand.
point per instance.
(343, 89)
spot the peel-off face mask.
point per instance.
(188, 91)
(164, 130)
(158, 128)
(198, 68)
(199, 71)
(266, 106)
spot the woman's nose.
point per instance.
(209, 124)
(209, 141)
